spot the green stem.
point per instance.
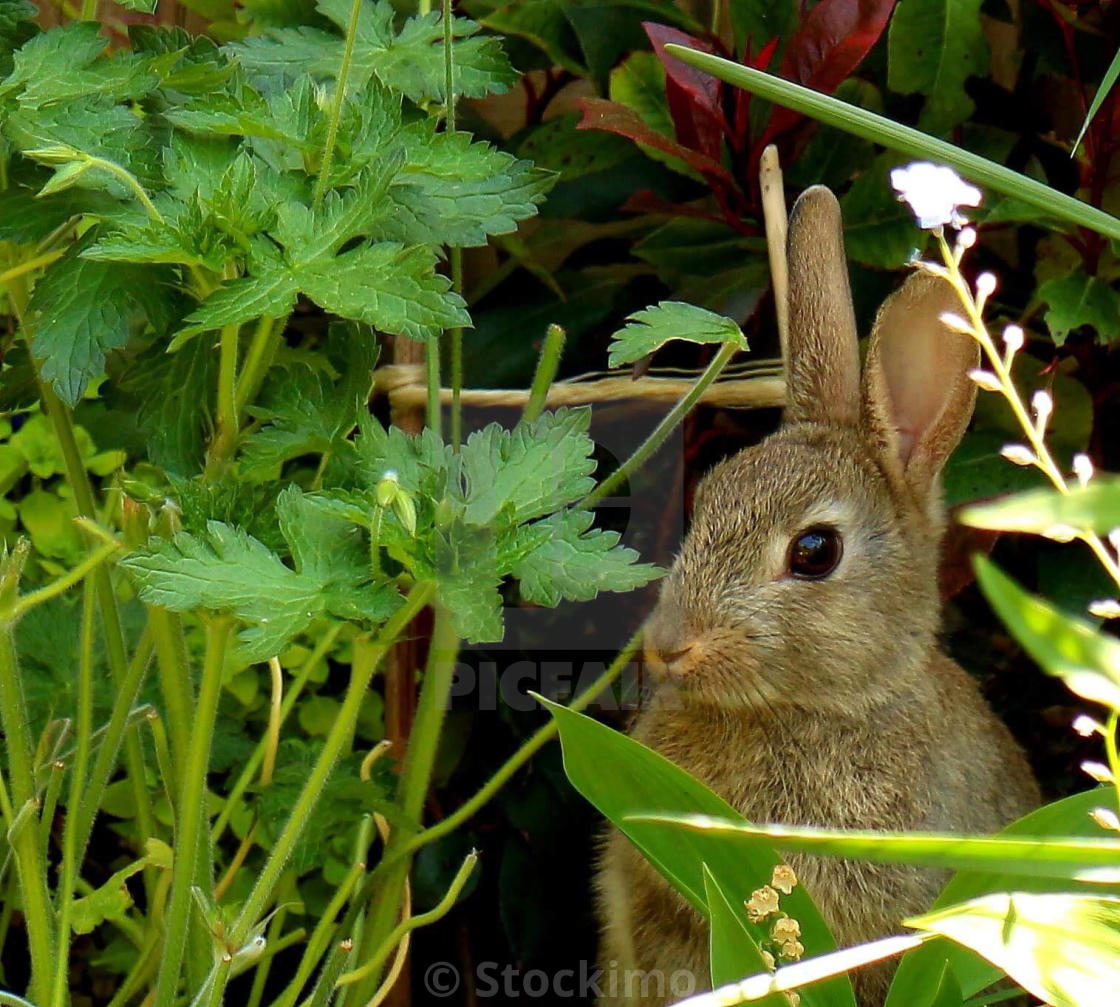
(456, 255)
(258, 359)
(61, 584)
(275, 927)
(173, 667)
(336, 104)
(78, 773)
(437, 912)
(89, 10)
(534, 744)
(367, 655)
(228, 422)
(435, 407)
(416, 775)
(30, 265)
(24, 839)
(190, 821)
(547, 366)
(662, 430)
(326, 641)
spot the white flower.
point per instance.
(935, 193)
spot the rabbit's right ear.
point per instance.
(822, 372)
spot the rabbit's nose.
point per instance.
(666, 660)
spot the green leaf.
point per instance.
(544, 24)
(1106, 85)
(577, 562)
(1090, 860)
(271, 290)
(733, 950)
(1080, 299)
(82, 308)
(16, 27)
(411, 62)
(1065, 949)
(468, 577)
(651, 328)
(391, 287)
(452, 191)
(1095, 507)
(640, 780)
(934, 46)
(49, 520)
(534, 469)
(108, 902)
(229, 570)
(1072, 649)
(911, 986)
(901, 138)
(638, 82)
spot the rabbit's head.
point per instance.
(809, 575)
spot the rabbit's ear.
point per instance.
(822, 372)
(917, 395)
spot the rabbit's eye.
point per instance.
(815, 553)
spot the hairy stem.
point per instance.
(650, 445)
(336, 105)
(190, 820)
(545, 374)
(258, 359)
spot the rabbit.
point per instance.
(797, 629)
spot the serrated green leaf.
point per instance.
(81, 308)
(934, 46)
(452, 191)
(229, 570)
(391, 287)
(410, 62)
(534, 469)
(1078, 299)
(467, 578)
(271, 290)
(1073, 649)
(577, 562)
(652, 327)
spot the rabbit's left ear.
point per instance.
(917, 396)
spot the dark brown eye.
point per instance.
(815, 553)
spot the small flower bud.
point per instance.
(955, 322)
(985, 379)
(792, 950)
(985, 286)
(1105, 818)
(966, 238)
(767, 959)
(1085, 725)
(1082, 468)
(1114, 539)
(1013, 338)
(387, 489)
(1020, 454)
(405, 510)
(1060, 533)
(1098, 771)
(762, 903)
(1043, 404)
(1105, 608)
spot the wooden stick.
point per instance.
(774, 214)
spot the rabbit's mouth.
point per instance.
(675, 661)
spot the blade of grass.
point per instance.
(904, 139)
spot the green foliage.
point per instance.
(654, 327)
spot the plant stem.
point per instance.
(434, 417)
(61, 584)
(30, 265)
(367, 655)
(228, 422)
(78, 772)
(326, 641)
(190, 817)
(455, 254)
(336, 105)
(175, 683)
(528, 749)
(547, 365)
(1034, 433)
(646, 449)
(258, 359)
(416, 775)
(24, 839)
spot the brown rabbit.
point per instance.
(797, 629)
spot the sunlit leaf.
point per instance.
(1095, 507)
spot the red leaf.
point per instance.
(612, 117)
(833, 40)
(695, 98)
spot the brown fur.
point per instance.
(824, 702)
